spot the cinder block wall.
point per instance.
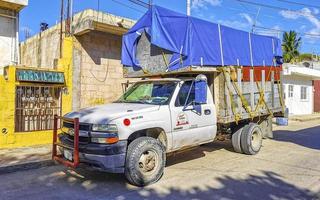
(101, 74)
(42, 49)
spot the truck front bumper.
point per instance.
(105, 157)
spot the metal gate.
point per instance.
(36, 107)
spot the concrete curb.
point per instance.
(25, 166)
(305, 119)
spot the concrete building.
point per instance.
(97, 70)
(299, 89)
(51, 80)
(9, 31)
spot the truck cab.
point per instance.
(165, 114)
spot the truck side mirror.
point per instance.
(200, 89)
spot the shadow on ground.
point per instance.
(197, 152)
(308, 137)
(84, 184)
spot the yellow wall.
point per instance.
(11, 139)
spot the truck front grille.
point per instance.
(82, 126)
(82, 140)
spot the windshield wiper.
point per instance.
(126, 101)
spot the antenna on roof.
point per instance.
(255, 20)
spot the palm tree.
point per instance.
(290, 45)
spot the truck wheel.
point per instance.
(145, 161)
(236, 136)
(251, 139)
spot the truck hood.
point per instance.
(104, 113)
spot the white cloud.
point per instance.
(237, 24)
(309, 15)
(303, 27)
(275, 31)
(245, 22)
(289, 14)
(247, 17)
(197, 4)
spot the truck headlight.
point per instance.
(105, 128)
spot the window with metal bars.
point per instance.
(36, 107)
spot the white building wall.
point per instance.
(296, 105)
(9, 53)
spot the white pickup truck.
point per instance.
(152, 118)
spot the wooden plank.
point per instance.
(239, 82)
(217, 88)
(272, 89)
(230, 119)
(263, 82)
(252, 89)
(228, 97)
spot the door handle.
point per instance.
(207, 111)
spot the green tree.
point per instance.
(291, 43)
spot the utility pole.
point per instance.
(67, 24)
(188, 7)
(61, 26)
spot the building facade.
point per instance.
(299, 88)
(9, 31)
(97, 70)
(51, 80)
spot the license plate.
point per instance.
(68, 155)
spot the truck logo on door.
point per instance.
(182, 119)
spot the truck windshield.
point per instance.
(158, 93)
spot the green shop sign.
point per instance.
(39, 76)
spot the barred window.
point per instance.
(304, 93)
(290, 91)
(36, 107)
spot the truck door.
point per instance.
(190, 127)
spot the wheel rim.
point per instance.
(256, 141)
(148, 162)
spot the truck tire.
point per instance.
(236, 136)
(145, 161)
(251, 139)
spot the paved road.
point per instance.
(288, 167)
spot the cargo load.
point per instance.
(243, 69)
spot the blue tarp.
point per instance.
(198, 42)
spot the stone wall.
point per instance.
(41, 50)
(101, 74)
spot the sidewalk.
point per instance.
(304, 118)
(16, 159)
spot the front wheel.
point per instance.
(145, 161)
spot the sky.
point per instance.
(270, 17)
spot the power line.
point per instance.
(141, 3)
(279, 30)
(298, 3)
(128, 6)
(275, 7)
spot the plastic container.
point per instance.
(282, 121)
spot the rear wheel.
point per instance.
(236, 136)
(251, 139)
(145, 161)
